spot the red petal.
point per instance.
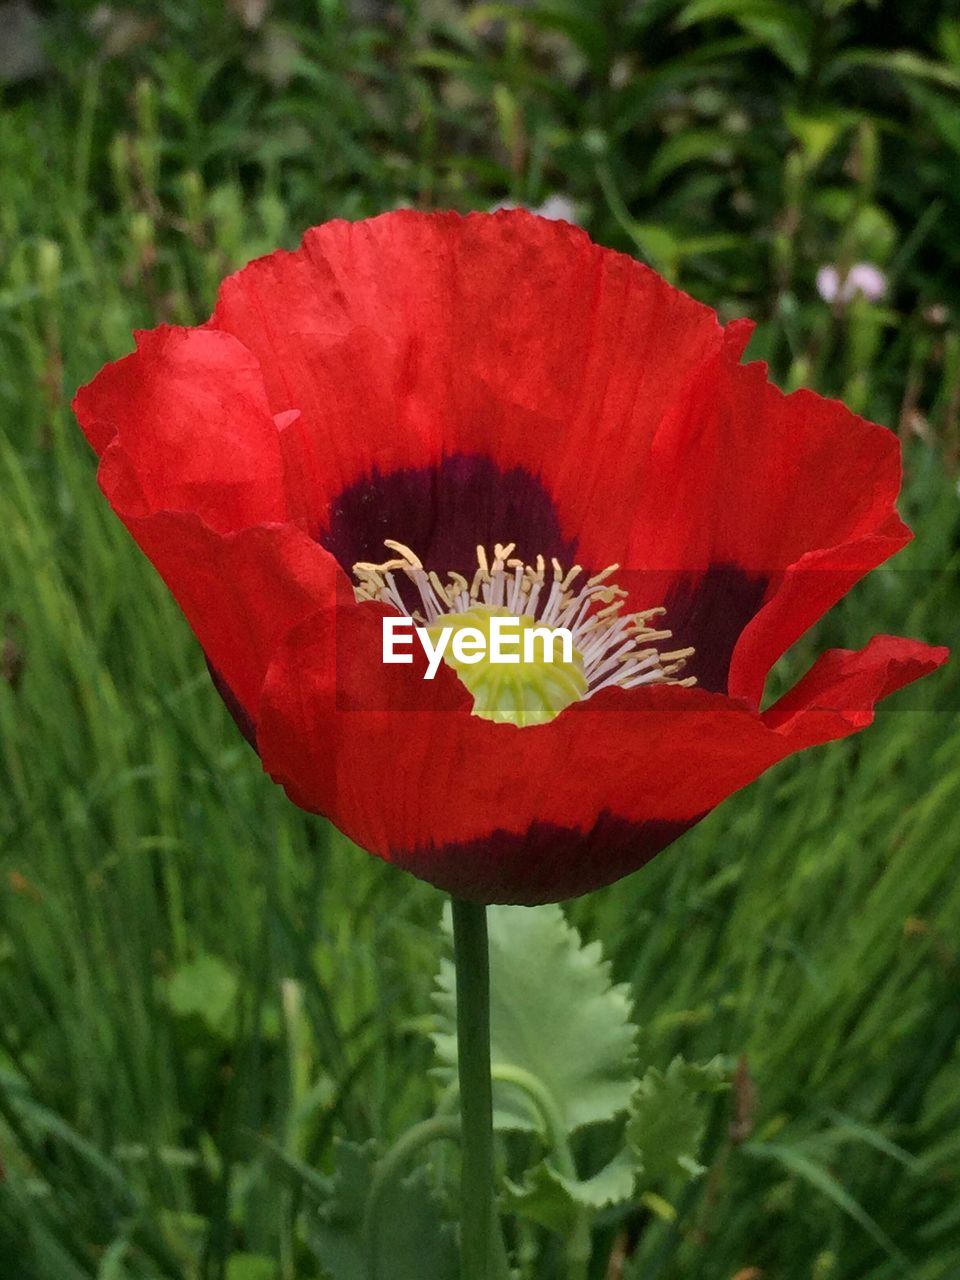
(241, 592)
(800, 595)
(410, 335)
(838, 694)
(183, 424)
(793, 493)
(402, 768)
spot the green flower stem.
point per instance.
(537, 1093)
(477, 1220)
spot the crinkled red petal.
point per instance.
(184, 425)
(838, 694)
(410, 337)
(404, 769)
(241, 592)
(760, 510)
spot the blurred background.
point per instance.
(200, 986)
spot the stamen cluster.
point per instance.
(615, 648)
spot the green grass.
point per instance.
(193, 973)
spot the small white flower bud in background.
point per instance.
(864, 279)
(556, 208)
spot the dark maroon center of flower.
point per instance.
(709, 611)
(445, 512)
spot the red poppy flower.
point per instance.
(499, 382)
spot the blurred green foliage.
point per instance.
(199, 986)
(737, 145)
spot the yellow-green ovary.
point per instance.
(520, 693)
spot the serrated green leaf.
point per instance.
(412, 1240)
(554, 1014)
(704, 1077)
(667, 1117)
(548, 1198)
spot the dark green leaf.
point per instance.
(410, 1240)
(548, 1198)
